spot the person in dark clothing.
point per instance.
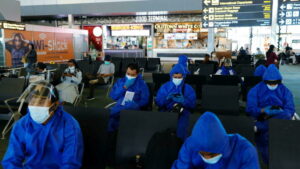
(272, 58)
(87, 57)
(31, 58)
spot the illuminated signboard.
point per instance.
(13, 26)
(127, 27)
(288, 12)
(230, 13)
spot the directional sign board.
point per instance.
(236, 13)
(288, 12)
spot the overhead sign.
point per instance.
(288, 12)
(13, 26)
(236, 13)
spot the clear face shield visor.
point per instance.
(39, 94)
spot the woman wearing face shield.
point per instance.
(46, 137)
(269, 99)
(179, 97)
(210, 147)
(68, 89)
(226, 68)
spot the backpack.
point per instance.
(162, 150)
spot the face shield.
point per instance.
(40, 94)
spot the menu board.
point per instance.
(236, 13)
(288, 12)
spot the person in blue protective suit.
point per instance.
(260, 70)
(46, 137)
(178, 97)
(183, 60)
(269, 99)
(210, 147)
(136, 90)
(226, 68)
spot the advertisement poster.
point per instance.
(49, 46)
(95, 36)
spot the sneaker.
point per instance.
(90, 98)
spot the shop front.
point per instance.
(127, 40)
(173, 39)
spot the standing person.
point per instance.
(105, 72)
(210, 147)
(31, 58)
(47, 137)
(269, 99)
(68, 89)
(87, 57)
(178, 97)
(18, 47)
(130, 92)
(272, 58)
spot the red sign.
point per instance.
(95, 36)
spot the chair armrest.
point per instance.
(7, 101)
(110, 105)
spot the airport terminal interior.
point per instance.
(149, 84)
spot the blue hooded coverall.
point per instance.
(166, 104)
(260, 70)
(183, 60)
(55, 145)
(210, 136)
(140, 99)
(225, 71)
(260, 97)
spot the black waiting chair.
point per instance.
(117, 64)
(135, 131)
(205, 69)
(223, 100)
(244, 70)
(159, 79)
(242, 125)
(10, 90)
(248, 83)
(142, 62)
(284, 147)
(196, 81)
(93, 123)
(224, 80)
(153, 64)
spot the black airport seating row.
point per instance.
(137, 128)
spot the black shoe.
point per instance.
(90, 98)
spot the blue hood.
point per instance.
(260, 70)
(183, 59)
(272, 73)
(209, 135)
(178, 68)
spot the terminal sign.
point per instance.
(230, 13)
(288, 12)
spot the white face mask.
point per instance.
(213, 160)
(176, 81)
(130, 77)
(272, 87)
(72, 68)
(39, 114)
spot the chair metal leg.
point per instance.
(14, 118)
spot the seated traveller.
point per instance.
(269, 99)
(105, 72)
(210, 147)
(130, 92)
(179, 97)
(226, 68)
(260, 70)
(46, 137)
(68, 89)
